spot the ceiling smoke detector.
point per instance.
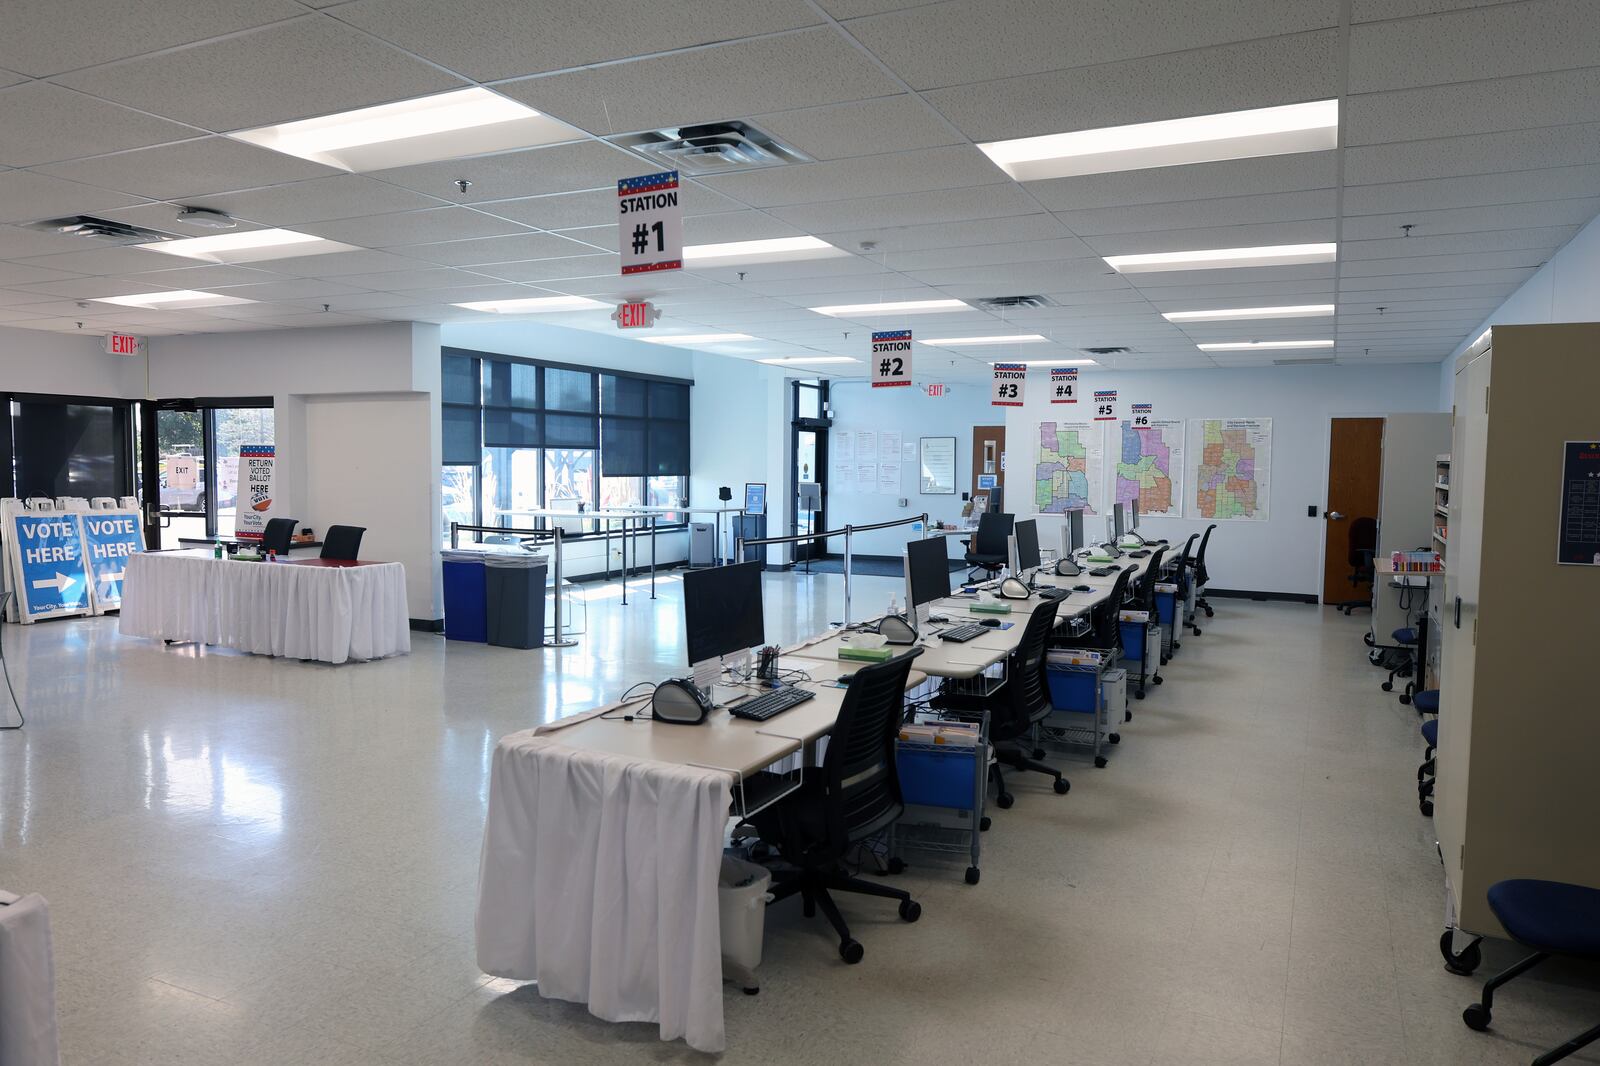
(205, 218)
(100, 230)
(1013, 303)
(711, 148)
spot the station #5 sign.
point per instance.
(50, 569)
(650, 223)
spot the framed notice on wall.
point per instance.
(937, 461)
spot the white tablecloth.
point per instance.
(598, 880)
(27, 983)
(297, 612)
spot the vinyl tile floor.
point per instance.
(252, 861)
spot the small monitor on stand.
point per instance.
(1072, 532)
(927, 576)
(722, 616)
(1119, 524)
(1025, 549)
(1133, 515)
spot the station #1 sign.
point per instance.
(650, 223)
(891, 358)
(51, 578)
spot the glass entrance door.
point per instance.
(809, 471)
(189, 466)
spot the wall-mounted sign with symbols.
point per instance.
(1140, 415)
(1105, 405)
(1064, 384)
(650, 223)
(1010, 382)
(891, 358)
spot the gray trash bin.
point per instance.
(514, 591)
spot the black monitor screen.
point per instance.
(927, 571)
(1118, 524)
(722, 610)
(1074, 530)
(1027, 534)
(1133, 513)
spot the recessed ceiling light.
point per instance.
(775, 250)
(1249, 346)
(446, 126)
(252, 246)
(1049, 362)
(1311, 127)
(902, 307)
(534, 305)
(1237, 314)
(1217, 258)
(1017, 338)
(173, 300)
(698, 338)
(810, 359)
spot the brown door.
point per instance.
(988, 460)
(1355, 466)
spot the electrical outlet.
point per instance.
(1311, 511)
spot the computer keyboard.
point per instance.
(770, 704)
(1052, 593)
(963, 633)
(1101, 571)
(1140, 554)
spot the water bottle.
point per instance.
(216, 551)
(894, 604)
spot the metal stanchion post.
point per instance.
(653, 555)
(561, 639)
(849, 533)
(455, 534)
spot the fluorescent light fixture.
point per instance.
(1016, 338)
(534, 305)
(1048, 362)
(1251, 346)
(698, 338)
(1239, 314)
(810, 359)
(778, 249)
(172, 300)
(446, 126)
(1311, 127)
(901, 307)
(251, 246)
(1218, 258)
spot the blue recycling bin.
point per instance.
(466, 601)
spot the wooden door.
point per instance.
(988, 461)
(1355, 469)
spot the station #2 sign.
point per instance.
(891, 358)
(50, 571)
(650, 223)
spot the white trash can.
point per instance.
(742, 906)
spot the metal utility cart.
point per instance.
(944, 777)
(1083, 718)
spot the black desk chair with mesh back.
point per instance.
(853, 795)
(1201, 576)
(1144, 599)
(1363, 549)
(278, 535)
(1181, 618)
(342, 542)
(989, 549)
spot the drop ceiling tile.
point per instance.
(1497, 293)
(295, 69)
(875, 288)
(86, 288)
(101, 261)
(337, 264)
(728, 81)
(9, 78)
(18, 243)
(16, 297)
(942, 205)
(1236, 177)
(492, 39)
(1193, 214)
(905, 173)
(188, 168)
(287, 289)
(597, 207)
(484, 250)
(983, 231)
(1488, 153)
(1473, 220)
(22, 274)
(837, 266)
(1238, 277)
(46, 37)
(1557, 98)
(418, 277)
(1256, 235)
(321, 319)
(28, 197)
(959, 43)
(317, 200)
(988, 254)
(413, 227)
(634, 288)
(1485, 190)
(1541, 238)
(576, 266)
(44, 123)
(1509, 277)
(1473, 45)
(452, 293)
(1204, 81)
(862, 127)
(163, 217)
(1527, 257)
(723, 228)
(530, 172)
(358, 302)
(204, 278)
(1315, 290)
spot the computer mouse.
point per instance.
(1082, 588)
(992, 623)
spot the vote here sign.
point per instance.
(48, 553)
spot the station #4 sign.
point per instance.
(51, 579)
(650, 223)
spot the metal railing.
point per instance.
(846, 531)
(563, 638)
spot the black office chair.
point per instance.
(1180, 610)
(1018, 706)
(989, 549)
(1144, 599)
(853, 795)
(1363, 548)
(342, 542)
(1201, 576)
(278, 535)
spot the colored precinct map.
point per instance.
(1071, 469)
(1231, 460)
(1150, 467)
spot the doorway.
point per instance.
(808, 470)
(1350, 520)
(189, 465)
(989, 467)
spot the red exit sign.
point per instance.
(935, 390)
(635, 315)
(124, 344)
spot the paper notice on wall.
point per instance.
(866, 477)
(866, 446)
(889, 478)
(255, 495)
(842, 446)
(908, 452)
(843, 476)
(889, 445)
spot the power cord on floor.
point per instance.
(5, 668)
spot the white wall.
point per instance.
(1412, 444)
(561, 344)
(740, 433)
(32, 360)
(1565, 289)
(1282, 554)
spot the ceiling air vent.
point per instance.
(1324, 361)
(711, 148)
(99, 230)
(1113, 350)
(1014, 303)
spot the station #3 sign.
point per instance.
(50, 571)
(650, 223)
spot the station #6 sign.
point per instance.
(109, 537)
(50, 570)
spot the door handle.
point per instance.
(1333, 516)
(1458, 612)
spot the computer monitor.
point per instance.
(1119, 524)
(1072, 533)
(1025, 546)
(927, 575)
(722, 611)
(1133, 515)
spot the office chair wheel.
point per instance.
(1461, 963)
(983, 824)
(1388, 686)
(1426, 807)
(1210, 613)
(1099, 762)
(1477, 1017)
(1127, 716)
(910, 910)
(1063, 786)
(1158, 679)
(1139, 695)
(851, 951)
(1115, 738)
(1038, 753)
(1196, 630)
(895, 865)
(1004, 801)
(972, 875)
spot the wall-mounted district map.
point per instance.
(1070, 474)
(1150, 466)
(1230, 468)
